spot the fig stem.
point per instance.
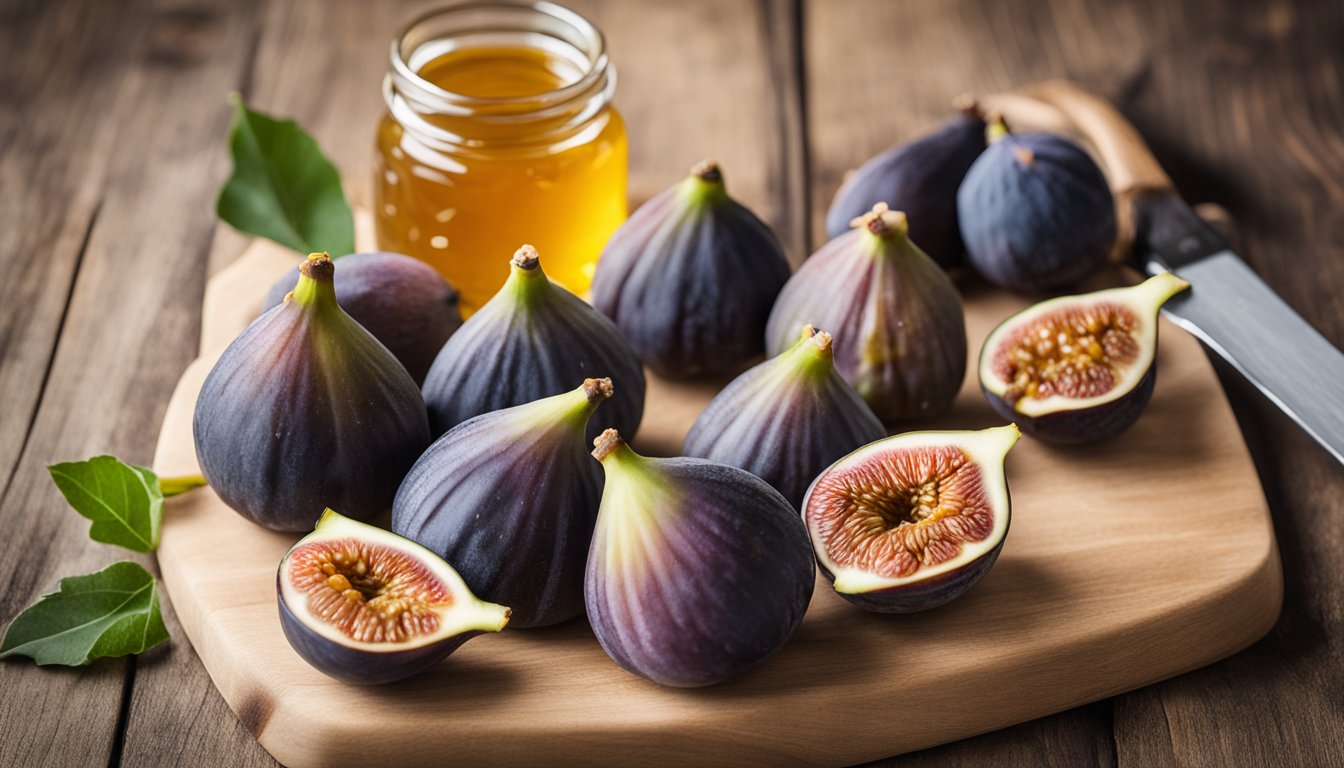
(597, 390)
(883, 222)
(526, 277)
(995, 128)
(316, 281)
(608, 443)
(967, 105)
(704, 185)
(172, 486)
(708, 171)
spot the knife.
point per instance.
(1228, 307)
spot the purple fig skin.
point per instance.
(533, 339)
(900, 334)
(714, 579)
(921, 178)
(690, 279)
(268, 413)
(926, 594)
(786, 419)
(1035, 212)
(353, 665)
(510, 499)
(402, 301)
(1088, 425)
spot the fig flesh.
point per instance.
(402, 301)
(510, 498)
(533, 339)
(366, 606)
(913, 521)
(306, 386)
(900, 336)
(698, 571)
(690, 278)
(1078, 368)
(786, 419)
(1035, 212)
(921, 178)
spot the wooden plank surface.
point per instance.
(1241, 103)
(1082, 604)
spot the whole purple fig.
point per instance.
(786, 419)
(690, 278)
(533, 339)
(1035, 211)
(402, 301)
(698, 571)
(509, 498)
(900, 336)
(921, 178)
(307, 409)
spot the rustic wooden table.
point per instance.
(112, 125)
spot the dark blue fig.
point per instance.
(305, 387)
(786, 419)
(900, 336)
(1035, 212)
(1078, 369)
(402, 301)
(509, 498)
(913, 521)
(698, 571)
(921, 178)
(533, 339)
(366, 606)
(690, 278)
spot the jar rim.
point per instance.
(592, 45)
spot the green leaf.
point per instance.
(114, 612)
(123, 501)
(283, 187)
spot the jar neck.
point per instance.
(453, 122)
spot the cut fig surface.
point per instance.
(367, 606)
(1077, 368)
(912, 521)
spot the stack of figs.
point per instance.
(499, 444)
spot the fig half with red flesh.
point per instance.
(367, 606)
(1080, 368)
(913, 521)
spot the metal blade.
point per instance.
(1231, 310)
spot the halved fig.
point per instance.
(913, 521)
(1078, 368)
(367, 606)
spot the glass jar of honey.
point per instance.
(500, 131)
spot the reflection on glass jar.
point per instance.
(500, 131)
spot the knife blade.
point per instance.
(1240, 318)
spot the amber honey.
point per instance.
(500, 131)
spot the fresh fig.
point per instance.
(533, 339)
(402, 301)
(1078, 368)
(921, 178)
(510, 497)
(900, 336)
(1035, 212)
(913, 521)
(366, 606)
(698, 571)
(306, 386)
(690, 278)
(786, 419)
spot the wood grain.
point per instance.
(1083, 604)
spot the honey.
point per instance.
(500, 131)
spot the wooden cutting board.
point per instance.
(1126, 563)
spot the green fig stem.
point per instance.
(996, 128)
(172, 486)
(883, 223)
(1158, 288)
(316, 286)
(526, 280)
(811, 355)
(705, 183)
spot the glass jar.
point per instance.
(500, 131)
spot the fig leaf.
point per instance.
(113, 612)
(283, 188)
(124, 502)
